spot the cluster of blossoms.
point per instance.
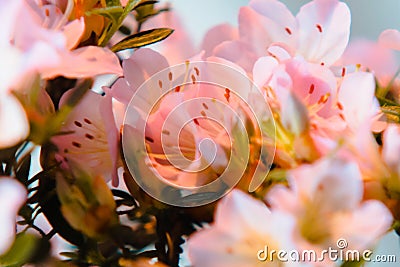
(326, 115)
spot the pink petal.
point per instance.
(12, 196)
(13, 121)
(217, 35)
(364, 226)
(263, 70)
(391, 147)
(73, 32)
(110, 128)
(265, 23)
(138, 68)
(334, 183)
(178, 47)
(360, 86)
(390, 38)
(85, 62)
(380, 60)
(238, 53)
(324, 29)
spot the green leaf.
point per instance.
(142, 39)
(392, 113)
(21, 251)
(111, 12)
(113, 3)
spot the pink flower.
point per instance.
(319, 32)
(380, 61)
(48, 44)
(242, 226)
(176, 127)
(12, 196)
(325, 199)
(38, 38)
(89, 138)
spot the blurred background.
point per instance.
(369, 19)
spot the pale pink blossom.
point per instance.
(12, 196)
(325, 199)
(38, 39)
(168, 137)
(319, 32)
(381, 61)
(242, 226)
(89, 138)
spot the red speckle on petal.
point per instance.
(205, 105)
(177, 89)
(148, 138)
(160, 83)
(87, 121)
(77, 123)
(227, 94)
(343, 72)
(196, 121)
(322, 64)
(312, 87)
(89, 136)
(288, 31)
(319, 27)
(166, 132)
(193, 79)
(76, 144)
(203, 113)
(339, 105)
(170, 76)
(197, 71)
(47, 12)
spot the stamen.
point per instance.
(324, 98)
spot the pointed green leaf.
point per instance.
(142, 39)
